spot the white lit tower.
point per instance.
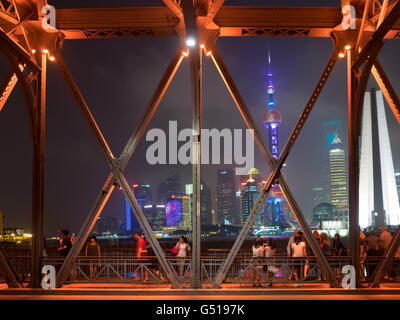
(378, 197)
(272, 119)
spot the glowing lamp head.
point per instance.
(185, 53)
(33, 51)
(341, 55)
(348, 47)
(190, 42)
(208, 53)
(45, 51)
(51, 58)
(202, 46)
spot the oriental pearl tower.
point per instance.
(273, 214)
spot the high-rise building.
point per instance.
(205, 202)
(338, 174)
(106, 225)
(378, 194)
(159, 217)
(143, 195)
(226, 209)
(274, 214)
(168, 188)
(177, 214)
(318, 195)
(248, 197)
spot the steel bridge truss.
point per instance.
(27, 46)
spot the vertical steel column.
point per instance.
(196, 74)
(38, 174)
(195, 56)
(353, 164)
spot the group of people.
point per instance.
(372, 245)
(143, 250)
(297, 249)
(262, 248)
(92, 250)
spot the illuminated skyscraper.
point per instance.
(248, 197)
(338, 174)
(378, 195)
(205, 202)
(226, 204)
(274, 214)
(144, 197)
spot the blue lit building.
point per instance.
(143, 196)
(273, 213)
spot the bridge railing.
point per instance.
(130, 269)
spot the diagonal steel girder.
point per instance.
(18, 51)
(24, 83)
(173, 6)
(377, 36)
(8, 271)
(387, 89)
(116, 175)
(195, 57)
(387, 259)
(275, 166)
(6, 87)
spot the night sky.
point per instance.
(117, 78)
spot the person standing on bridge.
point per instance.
(298, 251)
(183, 248)
(93, 251)
(141, 250)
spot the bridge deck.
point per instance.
(99, 291)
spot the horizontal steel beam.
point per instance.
(232, 20)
